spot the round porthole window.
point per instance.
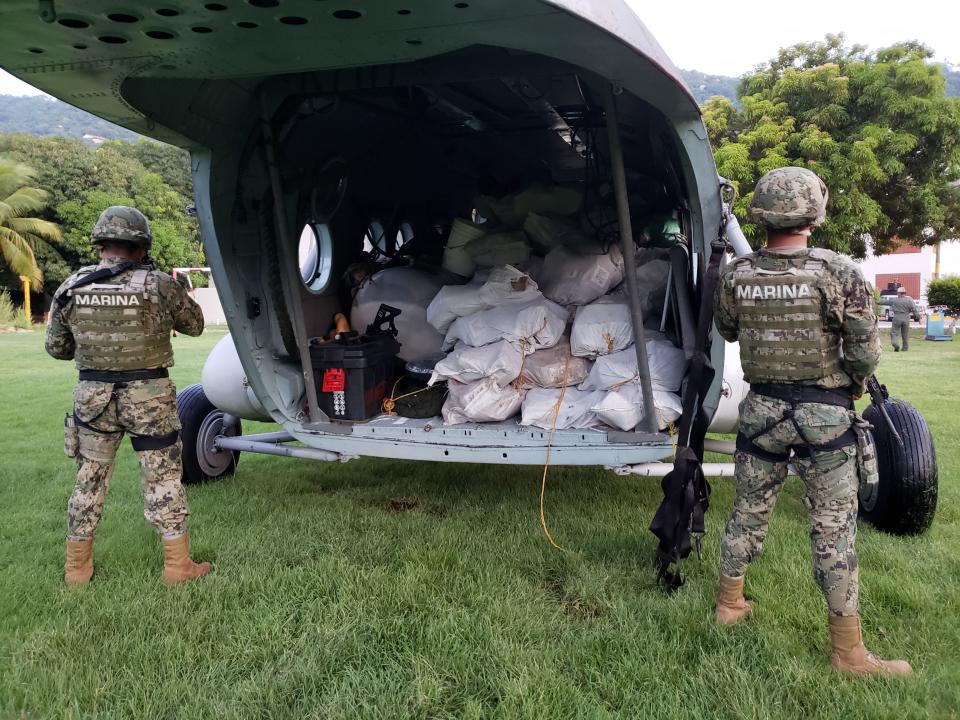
(376, 239)
(315, 256)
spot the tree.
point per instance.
(946, 291)
(877, 127)
(22, 234)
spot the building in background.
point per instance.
(910, 266)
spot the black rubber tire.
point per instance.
(906, 500)
(196, 413)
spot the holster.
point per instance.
(71, 436)
(867, 467)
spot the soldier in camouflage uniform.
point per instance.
(115, 320)
(807, 330)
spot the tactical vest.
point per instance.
(783, 337)
(117, 324)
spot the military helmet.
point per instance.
(789, 197)
(123, 223)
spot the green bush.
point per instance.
(7, 311)
(945, 291)
(22, 320)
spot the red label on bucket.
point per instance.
(334, 380)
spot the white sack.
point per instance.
(539, 324)
(667, 367)
(451, 302)
(481, 401)
(502, 284)
(500, 361)
(601, 328)
(540, 407)
(545, 368)
(507, 284)
(571, 278)
(499, 249)
(623, 408)
(410, 290)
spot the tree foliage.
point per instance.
(945, 291)
(23, 234)
(877, 127)
(79, 182)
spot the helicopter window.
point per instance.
(376, 239)
(315, 256)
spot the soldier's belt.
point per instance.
(110, 376)
(794, 394)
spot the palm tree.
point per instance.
(21, 232)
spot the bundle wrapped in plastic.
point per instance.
(480, 401)
(501, 285)
(499, 361)
(623, 408)
(667, 364)
(456, 259)
(579, 278)
(601, 328)
(529, 326)
(554, 367)
(500, 248)
(454, 301)
(410, 290)
(540, 408)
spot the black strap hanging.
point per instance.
(686, 493)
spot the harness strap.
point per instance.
(95, 276)
(154, 442)
(121, 376)
(747, 445)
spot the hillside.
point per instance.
(705, 86)
(43, 115)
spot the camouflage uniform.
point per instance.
(143, 408)
(902, 308)
(828, 341)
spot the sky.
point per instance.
(729, 38)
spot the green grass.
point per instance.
(395, 589)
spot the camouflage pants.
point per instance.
(141, 408)
(831, 482)
(900, 334)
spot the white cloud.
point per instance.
(730, 38)
(10, 85)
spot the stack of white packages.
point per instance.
(511, 347)
(622, 405)
(492, 327)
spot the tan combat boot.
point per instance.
(851, 657)
(177, 565)
(731, 605)
(78, 569)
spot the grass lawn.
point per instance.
(394, 589)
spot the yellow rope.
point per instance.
(390, 403)
(524, 346)
(546, 466)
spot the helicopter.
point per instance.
(327, 137)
